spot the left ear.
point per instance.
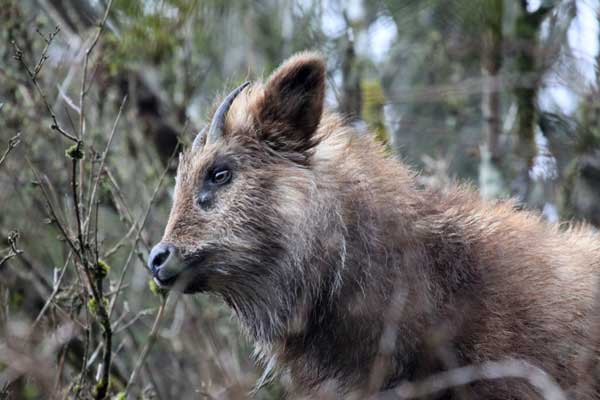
(290, 110)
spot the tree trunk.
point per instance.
(491, 181)
(351, 99)
(527, 28)
(491, 62)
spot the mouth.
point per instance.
(191, 278)
(186, 286)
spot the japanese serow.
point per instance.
(350, 278)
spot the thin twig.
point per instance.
(86, 352)
(140, 227)
(33, 76)
(61, 365)
(84, 88)
(103, 315)
(121, 242)
(133, 320)
(52, 211)
(54, 292)
(102, 161)
(88, 52)
(13, 250)
(79, 251)
(95, 286)
(124, 212)
(12, 143)
(151, 340)
(44, 56)
(6, 258)
(536, 377)
(75, 194)
(96, 290)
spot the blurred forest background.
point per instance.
(96, 96)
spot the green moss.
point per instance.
(120, 396)
(102, 269)
(157, 291)
(567, 210)
(372, 109)
(92, 306)
(98, 386)
(75, 152)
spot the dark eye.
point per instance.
(220, 176)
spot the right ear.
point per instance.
(291, 108)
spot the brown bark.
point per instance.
(527, 27)
(491, 62)
(351, 98)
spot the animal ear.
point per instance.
(291, 108)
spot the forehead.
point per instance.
(192, 164)
(238, 140)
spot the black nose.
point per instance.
(159, 256)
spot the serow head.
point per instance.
(243, 186)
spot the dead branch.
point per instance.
(511, 368)
(148, 346)
(13, 250)
(33, 76)
(88, 52)
(140, 226)
(12, 143)
(102, 162)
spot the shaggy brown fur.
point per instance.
(352, 279)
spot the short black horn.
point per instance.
(198, 140)
(215, 131)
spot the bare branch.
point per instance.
(88, 52)
(54, 292)
(12, 143)
(148, 346)
(48, 39)
(140, 226)
(13, 250)
(511, 368)
(102, 162)
(33, 75)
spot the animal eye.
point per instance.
(221, 176)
